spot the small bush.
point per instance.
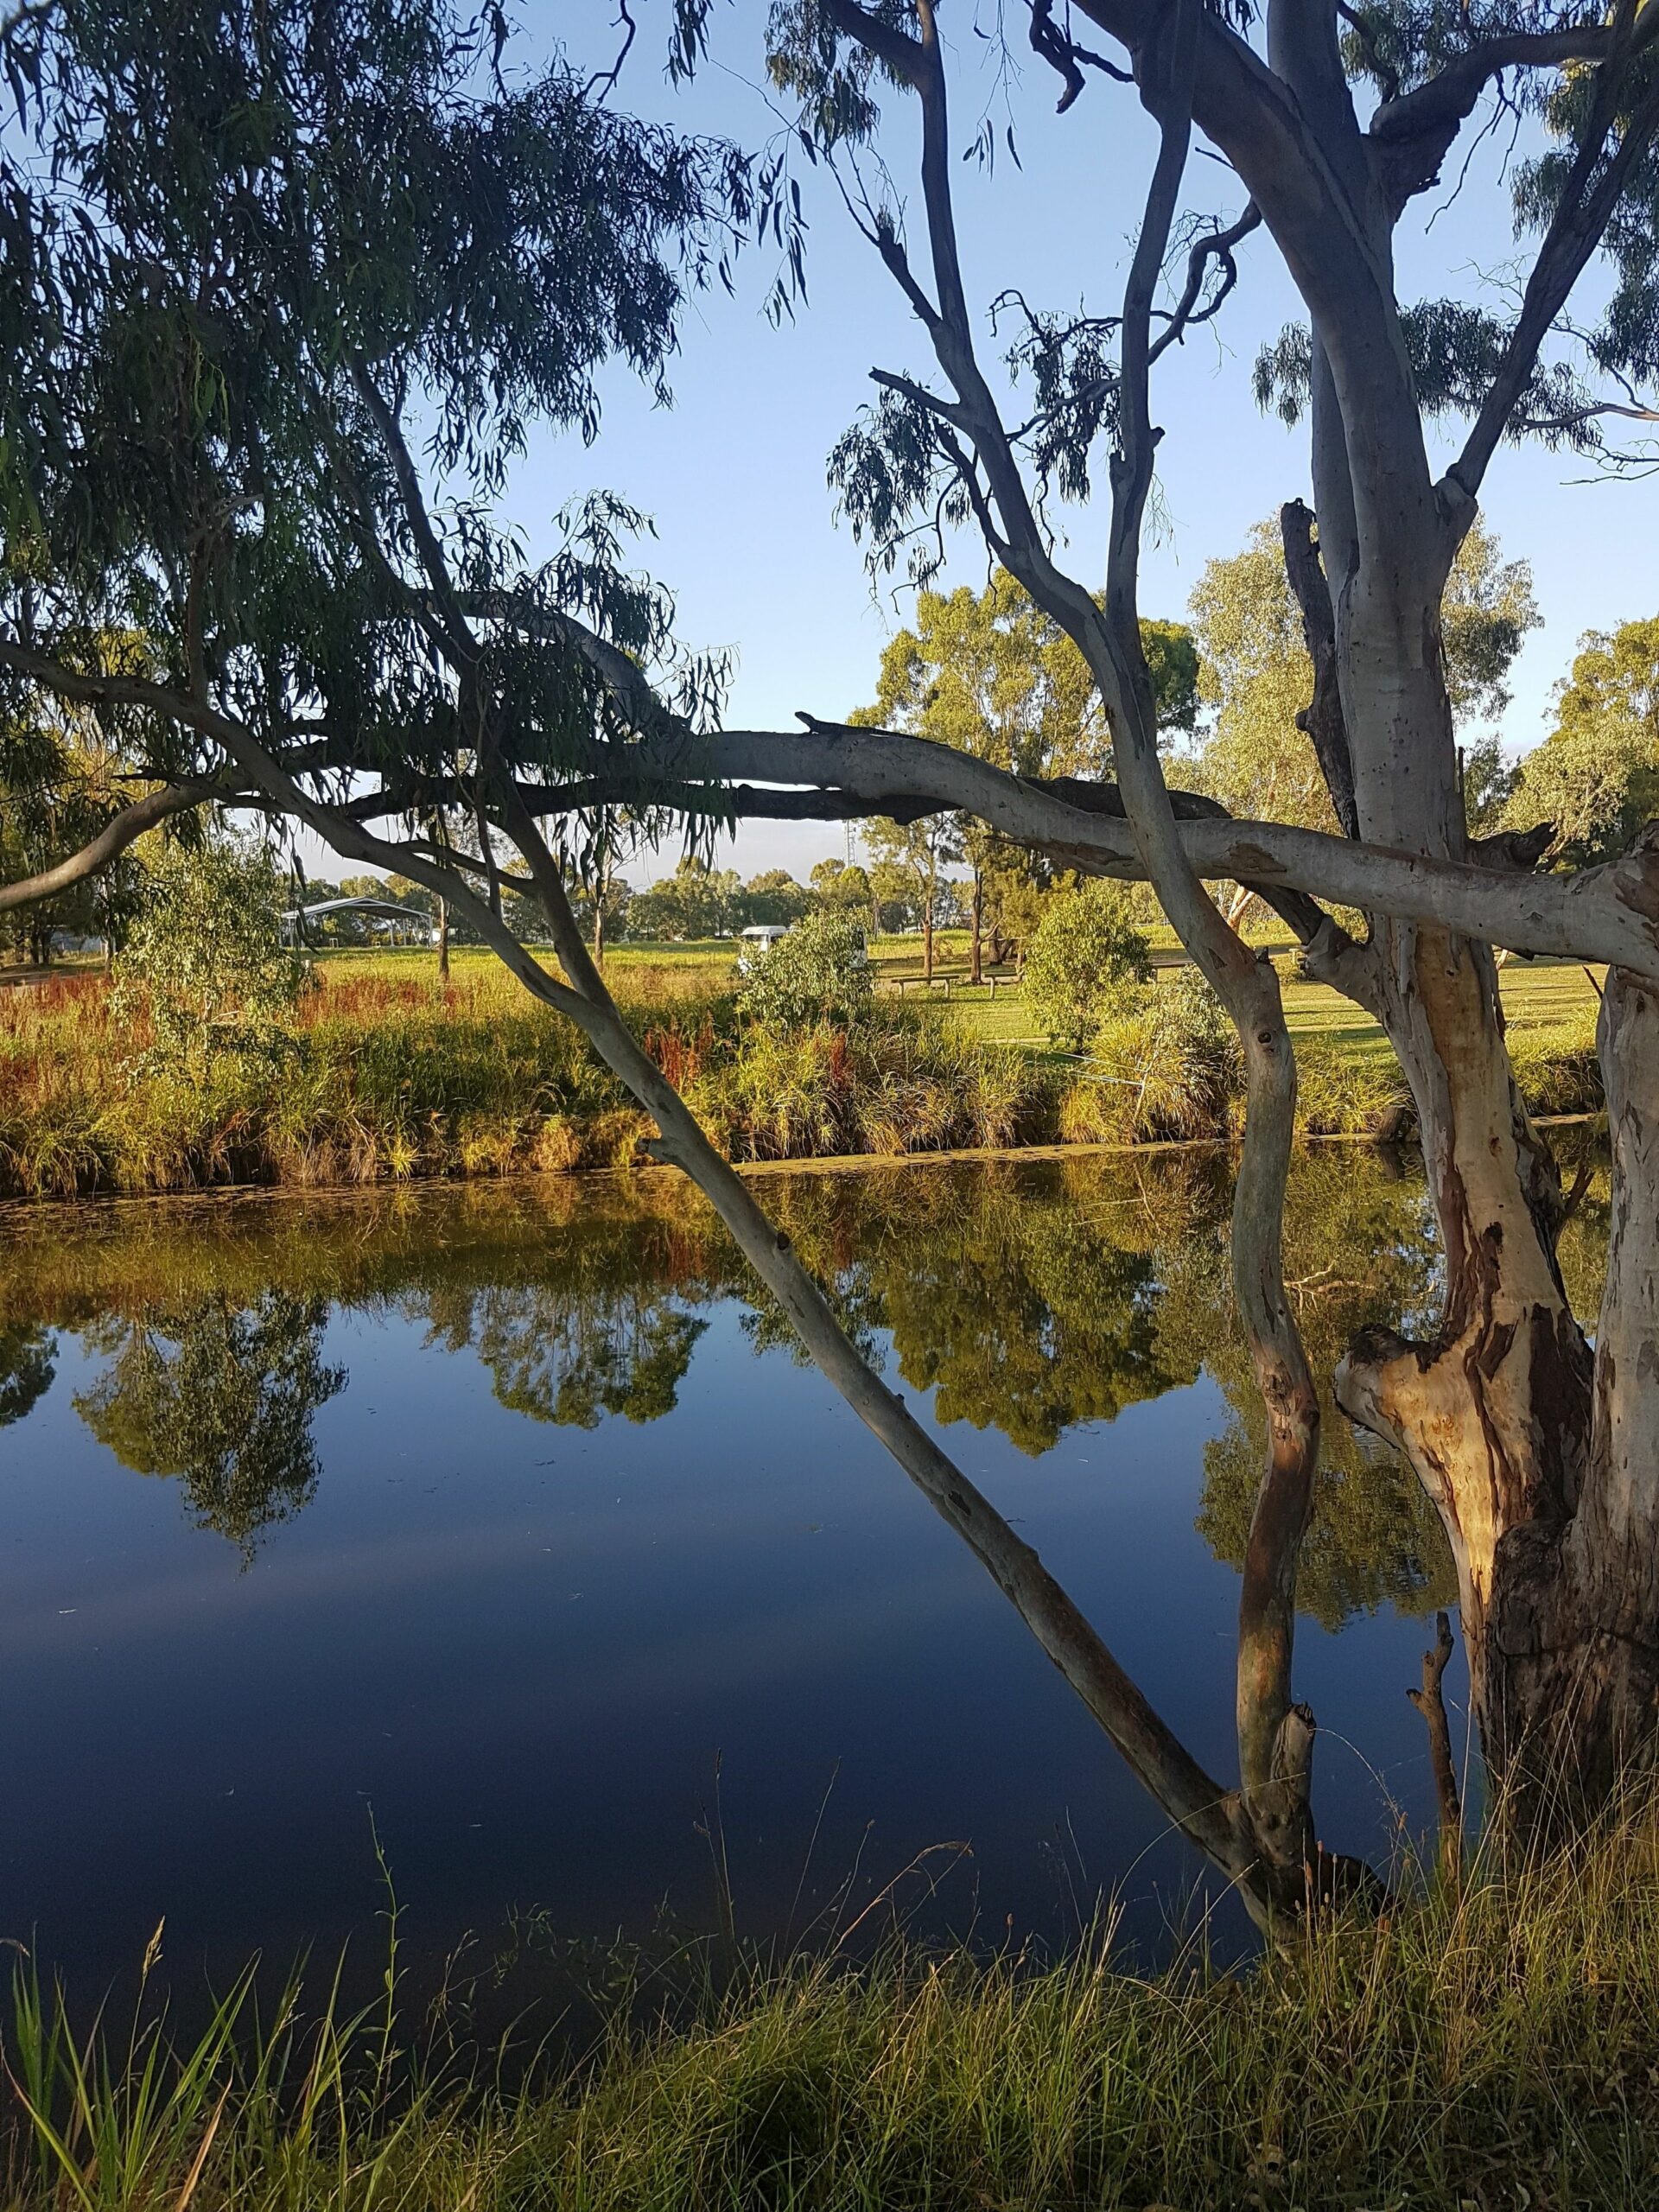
(205, 964)
(1084, 952)
(1169, 1063)
(1342, 1093)
(1557, 1068)
(818, 972)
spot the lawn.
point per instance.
(1538, 995)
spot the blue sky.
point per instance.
(733, 474)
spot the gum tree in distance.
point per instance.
(284, 291)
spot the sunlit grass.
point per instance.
(1490, 2044)
(394, 1076)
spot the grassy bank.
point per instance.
(389, 1076)
(1493, 2049)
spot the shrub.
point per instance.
(1345, 1093)
(205, 961)
(1084, 952)
(1173, 1058)
(818, 972)
(1557, 1068)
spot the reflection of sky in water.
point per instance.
(524, 1646)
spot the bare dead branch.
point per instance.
(1064, 55)
(1321, 720)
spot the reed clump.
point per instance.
(1167, 1069)
(1490, 2044)
(384, 1077)
(388, 1076)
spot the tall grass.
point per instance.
(390, 1076)
(1493, 2044)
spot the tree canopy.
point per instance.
(286, 285)
(1596, 776)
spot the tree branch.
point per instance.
(1217, 245)
(456, 630)
(112, 840)
(1588, 202)
(1430, 1702)
(1413, 132)
(1608, 914)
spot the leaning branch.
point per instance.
(1200, 1808)
(112, 840)
(1607, 915)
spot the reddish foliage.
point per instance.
(21, 1003)
(368, 999)
(682, 1059)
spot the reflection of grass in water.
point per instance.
(1488, 2045)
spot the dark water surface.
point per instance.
(500, 1515)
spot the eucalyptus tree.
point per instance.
(1257, 675)
(986, 673)
(1596, 775)
(1543, 1462)
(286, 285)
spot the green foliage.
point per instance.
(221, 1400)
(1489, 782)
(1456, 350)
(843, 888)
(1256, 676)
(988, 674)
(696, 902)
(240, 242)
(28, 1362)
(204, 964)
(897, 1081)
(775, 900)
(1596, 776)
(907, 865)
(1085, 949)
(819, 972)
(59, 786)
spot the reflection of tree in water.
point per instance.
(1019, 1311)
(1030, 1297)
(1358, 1249)
(1042, 1298)
(28, 1361)
(570, 1353)
(220, 1397)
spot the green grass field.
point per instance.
(1539, 996)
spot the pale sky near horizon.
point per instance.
(733, 474)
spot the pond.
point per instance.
(497, 1528)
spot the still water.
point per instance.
(494, 1523)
